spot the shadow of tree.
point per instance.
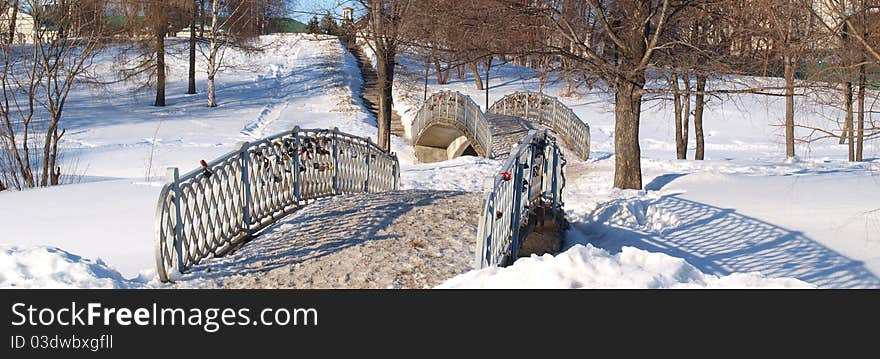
(722, 241)
(318, 230)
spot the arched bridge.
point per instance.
(450, 124)
(340, 207)
(324, 209)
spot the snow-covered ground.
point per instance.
(120, 144)
(735, 220)
(591, 267)
(744, 209)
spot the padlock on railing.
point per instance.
(205, 169)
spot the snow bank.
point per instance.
(49, 267)
(591, 267)
(111, 220)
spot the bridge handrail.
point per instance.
(210, 211)
(550, 112)
(458, 108)
(531, 178)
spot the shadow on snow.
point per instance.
(722, 241)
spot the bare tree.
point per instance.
(237, 27)
(148, 22)
(855, 25)
(36, 81)
(619, 49)
(385, 36)
(193, 18)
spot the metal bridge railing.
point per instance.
(209, 211)
(550, 112)
(531, 179)
(456, 109)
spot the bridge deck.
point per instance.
(405, 239)
(507, 132)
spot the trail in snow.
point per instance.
(278, 102)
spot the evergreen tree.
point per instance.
(329, 26)
(312, 27)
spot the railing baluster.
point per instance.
(297, 177)
(172, 175)
(367, 180)
(245, 187)
(335, 161)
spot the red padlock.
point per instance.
(205, 170)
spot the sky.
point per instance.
(303, 10)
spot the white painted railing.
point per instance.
(212, 210)
(459, 110)
(550, 112)
(531, 179)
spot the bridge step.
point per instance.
(370, 93)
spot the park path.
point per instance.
(371, 90)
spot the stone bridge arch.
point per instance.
(450, 125)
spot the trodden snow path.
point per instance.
(405, 239)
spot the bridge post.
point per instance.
(172, 176)
(245, 186)
(395, 164)
(368, 155)
(295, 159)
(335, 161)
(555, 178)
(517, 208)
(486, 229)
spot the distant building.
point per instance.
(184, 32)
(348, 14)
(26, 28)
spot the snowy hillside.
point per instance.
(739, 219)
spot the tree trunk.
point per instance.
(460, 72)
(627, 153)
(12, 22)
(487, 87)
(213, 66)
(442, 76)
(860, 137)
(848, 120)
(212, 96)
(699, 106)
(160, 67)
(385, 69)
(477, 80)
(192, 52)
(680, 149)
(789, 108)
(202, 19)
(685, 120)
(55, 171)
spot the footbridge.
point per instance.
(321, 208)
(450, 124)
